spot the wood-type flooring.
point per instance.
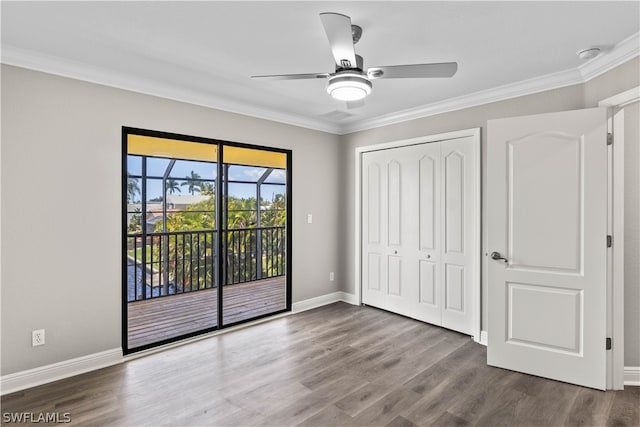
(337, 365)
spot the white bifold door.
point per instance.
(547, 240)
(419, 255)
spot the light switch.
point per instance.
(309, 218)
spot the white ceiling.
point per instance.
(204, 52)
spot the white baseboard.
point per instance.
(483, 338)
(57, 371)
(310, 303)
(348, 298)
(632, 375)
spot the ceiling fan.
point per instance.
(351, 82)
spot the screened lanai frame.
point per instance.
(221, 189)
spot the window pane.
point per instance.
(242, 212)
(273, 206)
(193, 170)
(245, 173)
(154, 215)
(277, 176)
(157, 166)
(134, 190)
(134, 165)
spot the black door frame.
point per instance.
(221, 226)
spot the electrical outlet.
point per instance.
(37, 337)
(331, 277)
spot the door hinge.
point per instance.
(608, 344)
(609, 138)
(609, 241)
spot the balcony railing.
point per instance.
(169, 263)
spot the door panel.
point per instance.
(373, 208)
(428, 283)
(395, 275)
(394, 219)
(547, 215)
(544, 178)
(428, 215)
(374, 271)
(454, 288)
(561, 307)
(454, 202)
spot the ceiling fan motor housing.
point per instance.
(346, 65)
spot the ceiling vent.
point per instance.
(337, 115)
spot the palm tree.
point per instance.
(274, 213)
(194, 183)
(207, 188)
(133, 188)
(173, 186)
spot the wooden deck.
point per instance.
(168, 317)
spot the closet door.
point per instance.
(402, 223)
(390, 185)
(427, 303)
(418, 235)
(457, 238)
(374, 229)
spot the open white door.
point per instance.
(547, 242)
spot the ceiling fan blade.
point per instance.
(338, 29)
(355, 104)
(444, 69)
(292, 76)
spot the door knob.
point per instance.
(497, 256)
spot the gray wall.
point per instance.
(61, 207)
(569, 98)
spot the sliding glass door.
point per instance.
(206, 235)
(254, 222)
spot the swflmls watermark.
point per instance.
(36, 417)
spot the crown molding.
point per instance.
(487, 96)
(622, 52)
(23, 58)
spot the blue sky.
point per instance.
(182, 168)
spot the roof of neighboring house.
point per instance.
(158, 213)
(185, 199)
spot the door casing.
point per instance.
(615, 285)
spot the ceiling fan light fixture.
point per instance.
(349, 86)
